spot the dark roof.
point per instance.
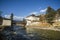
(6, 19)
(33, 15)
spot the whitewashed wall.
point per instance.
(6, 23)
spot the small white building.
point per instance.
(6, 22)
(32, 18)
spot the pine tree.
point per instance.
(58, 11)
(50, 14)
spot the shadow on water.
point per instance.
(17, 33)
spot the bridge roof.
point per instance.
(6, 19)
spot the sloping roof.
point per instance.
(6, 19)
(32, 15)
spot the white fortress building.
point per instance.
(31, 19)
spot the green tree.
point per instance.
(58, 11)
(1, 13)
(11, 19)
(50, 14)
(42, 17)
(1, 17)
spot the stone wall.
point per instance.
(40, 24)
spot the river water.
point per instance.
(16, 33)
(20, 33)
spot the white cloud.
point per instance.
(44, 10)
(7, 16)
(21, 18)
(18, 18)
(33, 12)
(15, 17)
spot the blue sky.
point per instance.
(26, 7)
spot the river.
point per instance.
(20, 33)
(16, 33)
